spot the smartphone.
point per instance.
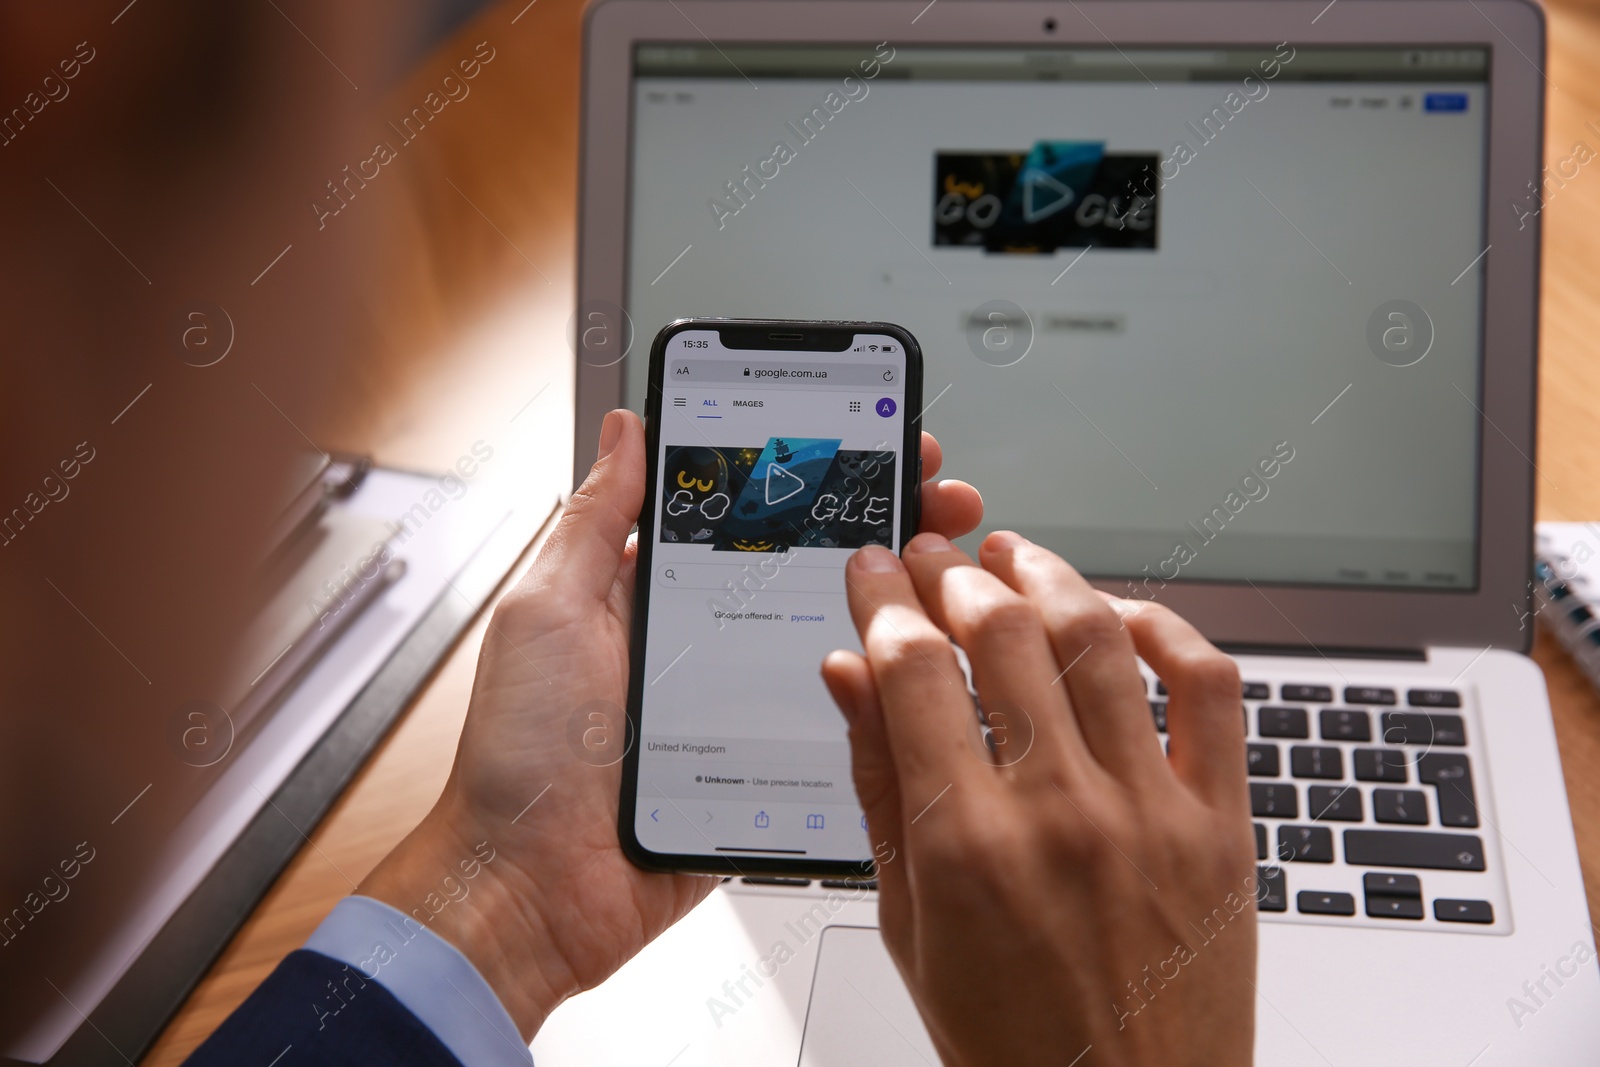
(776, 449)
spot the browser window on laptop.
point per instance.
(1141, 278)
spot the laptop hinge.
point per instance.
(1410, 654)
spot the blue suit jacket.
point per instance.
(318, 1011)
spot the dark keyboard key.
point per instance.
(1419, 728)
(1257, 691)
(1261, 841)
(1447, 910)
(1413, 848)
(1391, 885)
(1368, 694)
(1307, 694)
(1305, 844)
(1450, 771)
(1263, 760)
(1283, 722)
(1270, 892)
(1334, 803)
(1316, 761)
(1382, 907)
(1400, 806)
(1345, 724)
(849, 883)
(1158, 709)
(1433, 698)
(1312, 902)
(1276, 799)
(1380, 765)
(1392, 896)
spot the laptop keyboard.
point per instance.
(1368, 803)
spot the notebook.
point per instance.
(1566, 587)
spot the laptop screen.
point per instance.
(1187, 314)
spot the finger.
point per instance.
(932, 456)
(1013, 666)
(849, 679)
(586, 548)
(926, 709)
(1098, 671)
(1205, 711)
(951, 508)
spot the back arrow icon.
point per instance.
(653, 815)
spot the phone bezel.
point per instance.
(816, 332)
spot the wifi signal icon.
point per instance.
(873, 347)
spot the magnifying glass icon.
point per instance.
(668, 574)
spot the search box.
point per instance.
(748, 576)
(830, 375)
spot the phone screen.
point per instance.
(771, 468)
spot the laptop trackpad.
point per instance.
(860, 1011)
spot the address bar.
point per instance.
(776, 373)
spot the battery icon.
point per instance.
(888, 348)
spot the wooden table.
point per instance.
(516, 161)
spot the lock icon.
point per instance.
(747, 372)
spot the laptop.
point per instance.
(1233, 304)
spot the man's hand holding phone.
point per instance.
(1030, 907)
(1079, 889)
(559, 908)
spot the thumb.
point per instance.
(586, 548)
